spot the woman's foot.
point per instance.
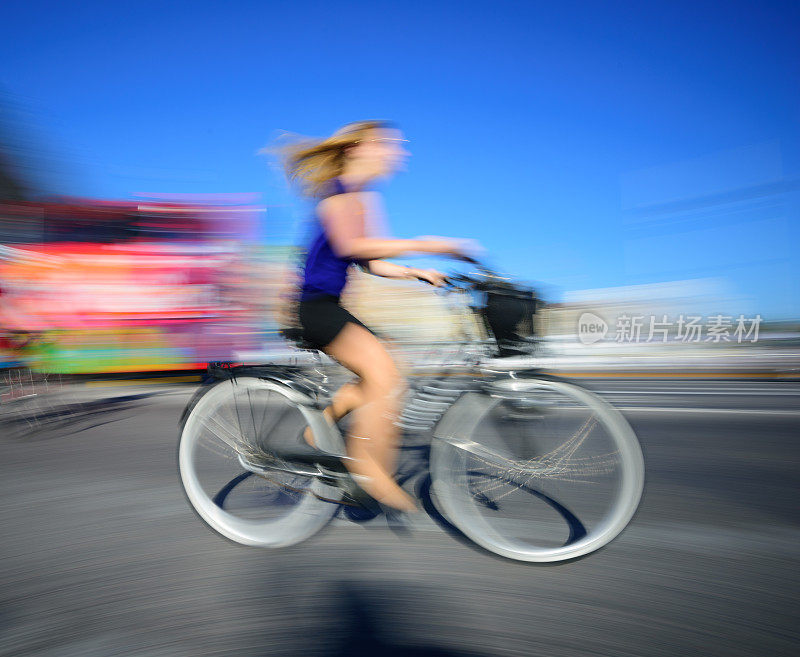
(380, 498)
(398, 500)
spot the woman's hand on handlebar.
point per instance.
(435, 278)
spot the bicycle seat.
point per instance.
(296, 335)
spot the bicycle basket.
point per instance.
(508, 312)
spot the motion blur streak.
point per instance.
(101, 554)
(134, 286)
(639, 160)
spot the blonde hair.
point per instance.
(311, 163)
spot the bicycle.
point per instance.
(526, 465)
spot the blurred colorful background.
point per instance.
(625, 158)
(637, 163)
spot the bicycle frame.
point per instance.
(433, 407)
(442, 422)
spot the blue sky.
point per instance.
(585, 144)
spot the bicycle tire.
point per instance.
(318, 501)
(451, 472)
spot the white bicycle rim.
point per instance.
(307, 518)
(461, 509)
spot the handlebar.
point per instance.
(484, 274)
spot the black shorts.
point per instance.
(322, 319)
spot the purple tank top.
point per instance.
(325, 273)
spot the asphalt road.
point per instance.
(100, 554)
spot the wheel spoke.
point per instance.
(269, 508)
(570, 482)
(222, 432)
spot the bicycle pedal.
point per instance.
(360, 499)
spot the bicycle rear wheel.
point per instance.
(542, 470)
(229, 434)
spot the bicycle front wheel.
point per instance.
(542, 470)
(227, 436)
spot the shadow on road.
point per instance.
(362, 635)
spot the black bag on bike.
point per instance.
(508, 312)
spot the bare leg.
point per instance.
(372, 443)
(347, 398)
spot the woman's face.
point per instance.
(382, 152)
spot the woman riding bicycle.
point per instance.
(339, 171)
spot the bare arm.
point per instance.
(389, 269)
(392, 270)
(343, 218)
